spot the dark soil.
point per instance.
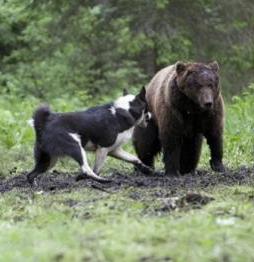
(190, 182)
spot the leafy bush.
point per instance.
(54, 48)
(239, 135)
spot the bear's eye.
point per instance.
(210, 86)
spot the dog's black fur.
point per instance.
(102, 129)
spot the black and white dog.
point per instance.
(103, 129)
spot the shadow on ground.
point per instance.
(56, 181)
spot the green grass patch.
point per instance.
(83, 225)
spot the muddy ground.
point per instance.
(161, 194)
(56, 181)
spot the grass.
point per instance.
(76, 226)
(90, 225)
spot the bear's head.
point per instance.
(199, 82)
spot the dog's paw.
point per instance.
(93, 177)
(81, 177)
(147, 170)
(101, 179)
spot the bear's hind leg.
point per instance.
(146, 143)
(190, 153)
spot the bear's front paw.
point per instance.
(32, 181)
(217, 166)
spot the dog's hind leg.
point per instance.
(119, 153)
(77, 152)
(101, 155)
(42, 164)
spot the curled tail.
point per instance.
(40, 118)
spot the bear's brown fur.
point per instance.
(186, 105)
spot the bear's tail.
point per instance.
(40, 119)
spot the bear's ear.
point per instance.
(142, 94)
(125, 92)
(180, 67)
(214, 66)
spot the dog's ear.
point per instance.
(125, 92)
(142, 94)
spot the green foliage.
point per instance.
(239, 135)
(14, 127)
(50, 49)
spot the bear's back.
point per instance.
(157, 91)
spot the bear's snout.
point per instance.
(208, 105)
(206, 99)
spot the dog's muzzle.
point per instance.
(145, 120)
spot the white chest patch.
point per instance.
(122, 138)
(124, 102)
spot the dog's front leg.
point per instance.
(119, 153)
(101, 155)
(87, 171)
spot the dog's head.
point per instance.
(139, 108)
(136, 106)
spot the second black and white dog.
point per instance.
(103, 129)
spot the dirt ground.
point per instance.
(56, 181)
(162, 193)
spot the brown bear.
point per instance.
(186, 105)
